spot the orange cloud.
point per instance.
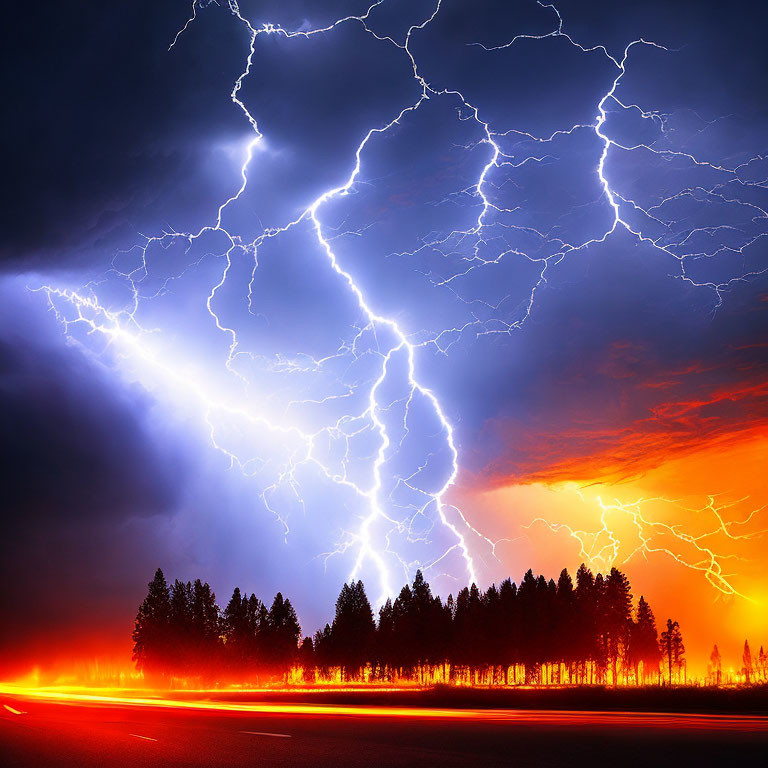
(614, 446)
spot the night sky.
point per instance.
(188, 384)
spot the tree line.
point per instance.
(537, 633)
(752, 670)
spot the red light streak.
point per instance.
(569, 718)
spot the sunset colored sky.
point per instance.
(466, 287)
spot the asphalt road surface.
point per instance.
(48, 734)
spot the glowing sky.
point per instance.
(297, 291)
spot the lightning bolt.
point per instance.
(414, 507)
(604, 547)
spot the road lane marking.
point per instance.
(146, 738)
(264, 733)
(14, 711)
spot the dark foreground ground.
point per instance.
(41, 733)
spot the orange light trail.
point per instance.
(664, 721)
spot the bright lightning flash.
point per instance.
(609, 545)
(396, 508)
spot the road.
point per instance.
(50, 734)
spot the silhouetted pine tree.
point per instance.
(151, 634)
(566, 624)
(236, 633)
(746, 658)
(644, 642)
(586, 639)
(384, 642)
(492, 633)
(180, 658)
(282, 636)
(323, 651)
(617, 620)
(307, 660)
(467, 653)
(672, 648)
(205, 630)
(442, 633)
(548, 629)
(526, 603)
(402, 650)
(353, 630)
(715, 666)
(602, 657)
(423, 615)
(510, 630)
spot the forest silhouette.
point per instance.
(536, 633)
